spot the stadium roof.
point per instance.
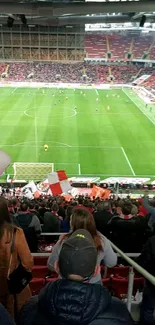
(80, 12)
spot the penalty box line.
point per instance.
(128, 161)
(92, 147)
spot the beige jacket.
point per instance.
(21, 253)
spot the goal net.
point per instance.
(39, 171)
(31, 171)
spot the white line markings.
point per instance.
(97, 93)
(79, 169)
(55, 118)
(110, 175)
(63, 145)
(139, 108)
(14, 90)
(60, 144)
(128, 161)
(36, 137)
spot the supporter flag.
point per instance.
(59, 182)
(43, 186)
(99, 192)
(4, 161)
(30, 190)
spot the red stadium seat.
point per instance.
(106, 282)
(40, 271)
(39, 260)
(36, 285)
(114, 271)
(120, 286)
(122, 271)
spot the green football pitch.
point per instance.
(84, 137)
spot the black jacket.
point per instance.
(127, 234)
(31, 227)
(147, 257)
(102, 219)
(51, 223)
(66, 302)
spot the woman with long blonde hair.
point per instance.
(21, 254)
(82, 219)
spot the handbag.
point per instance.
(20, 277)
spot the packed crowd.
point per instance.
(77, 296)
(72, 72)
(121, 220)
(117, 74)
(51, 72)
(76, 72)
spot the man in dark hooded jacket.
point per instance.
(72, 300)
(30, 224)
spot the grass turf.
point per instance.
(115, 142)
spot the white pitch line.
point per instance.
(97, 147)
(79, 169)
(60, 145)
(14, 90)
(128, 161)
(139, 108)
(97, 92)
(36, 137)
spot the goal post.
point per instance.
(70, 168)
(31, 171)
(38, 171)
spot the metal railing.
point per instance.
(127, 258)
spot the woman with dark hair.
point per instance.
(21, 255)
(65, 226)
(82, 219)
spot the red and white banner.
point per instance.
(59, 182)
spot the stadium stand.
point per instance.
(73, 72)
(115, 279)
(50, 72)
(119, 47)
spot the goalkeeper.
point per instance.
(45, 147)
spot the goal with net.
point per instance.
(29, 171)
(24, 171)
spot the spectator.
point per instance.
(21, 254)
(127, 231)
(102, 216)
(42, 210)
(72, 300)
(32, 209)
(80, 203)
(51, 220)
(52, 223)
(66, 221)
(141, 210)
(147, 261)
(82, 219)
(30, 224)
(151, 210)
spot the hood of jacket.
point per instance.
(69, 302)
(24, 219)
